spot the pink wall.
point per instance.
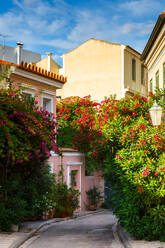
(74, 160)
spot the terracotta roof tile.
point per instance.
(36, 70)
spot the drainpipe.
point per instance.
(49, 58)
(19, 52)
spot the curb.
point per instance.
(117, 236)
(123, 236)
(22, 240)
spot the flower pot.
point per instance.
(92, 208)
(15, 228)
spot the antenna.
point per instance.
(3, 38)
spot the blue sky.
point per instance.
(58, 26)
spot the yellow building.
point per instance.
(100, 68)
(154, 55)
(49, 64)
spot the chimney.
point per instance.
(19, 52)
(49, 58)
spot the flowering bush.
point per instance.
(27, 135)
(136, 169)
(119, 135)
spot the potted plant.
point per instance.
(94, 197)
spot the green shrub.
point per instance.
(66, 200)
(94, 196)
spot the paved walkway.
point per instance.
(93, 230)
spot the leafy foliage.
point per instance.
(120, 137)
(27, 135)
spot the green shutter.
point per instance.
(134, 69)
(157, 78)
(151, 85)
(164, 75)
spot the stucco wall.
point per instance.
(156, 58)
(133, 85)
(53, 67)
(93, 68)
(36, 89)
(75, 161)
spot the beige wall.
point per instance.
(156, 58)
(49, 64)
(133, 86)
(93, 68)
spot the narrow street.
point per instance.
(92, 231)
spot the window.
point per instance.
(27, 94)
(73, 174)
(47, 104)
(134, 69)
(151, 85)
(142, 75)
(157, 78)
(164, 75)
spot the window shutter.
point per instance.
(157, 78)
(151, 85)
(134, 69)
(164, 75)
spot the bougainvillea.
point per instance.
(27, 134)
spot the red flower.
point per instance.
(156, 173)
(145, 173)
(140, 190)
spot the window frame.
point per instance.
(28, 91)
(51, 104)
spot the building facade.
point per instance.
(42, 85)
(100, 68)
(17, 54)
(73, 164)
(154, 55)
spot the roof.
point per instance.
(46, 59)
(36, 70)
(155, 32)
(107, 42)
(94, 40)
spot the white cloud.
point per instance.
(60, 27)
(140, 7)
(139, 29)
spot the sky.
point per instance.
(59, 26)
